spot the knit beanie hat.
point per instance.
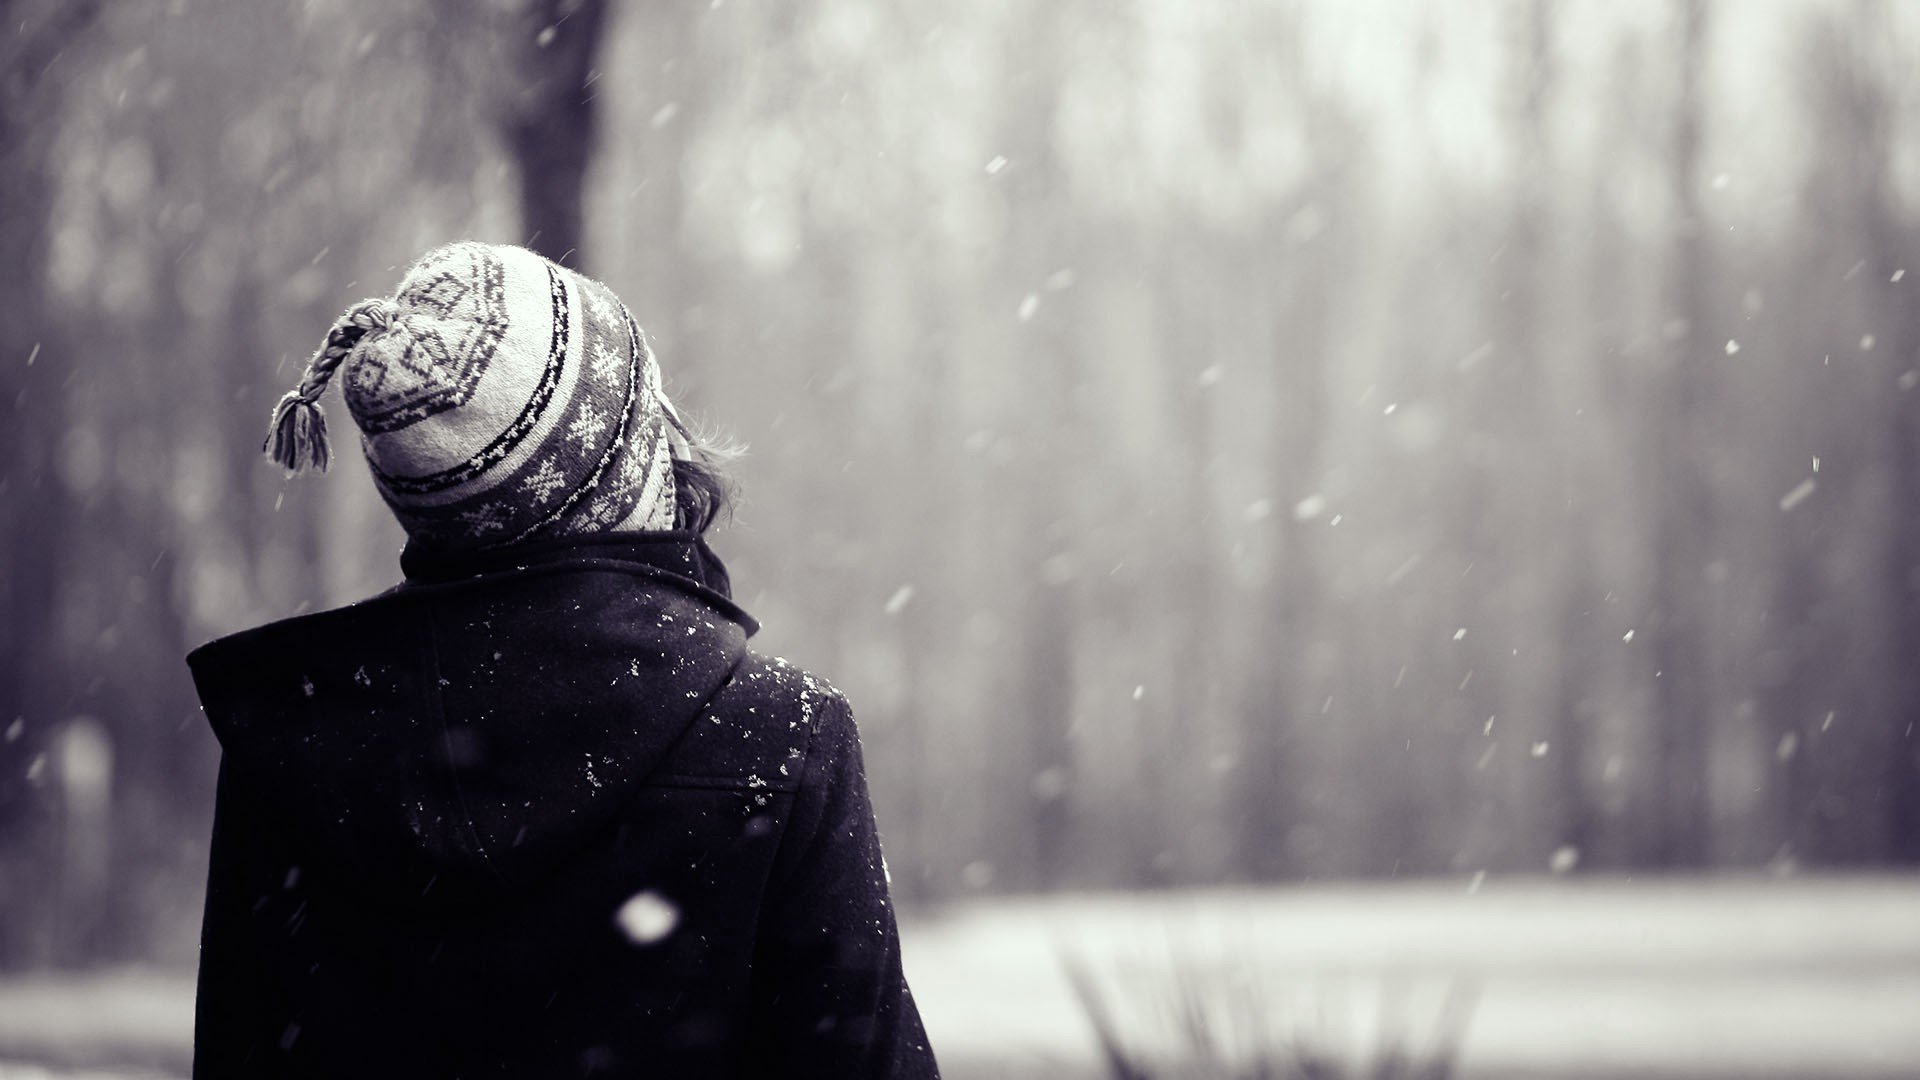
(500, 398)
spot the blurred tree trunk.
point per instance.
(1893, 453)
(1605, 838)
(1494, 529)
(33, 375)
(924, 548)
(1302, 251)
(1182, 611)
(668, 68)
(1051, 442)
(1900, 655)
(1275, 762)
(1545, 575)
(1685, 514)
(548, 125)
(1854, 693)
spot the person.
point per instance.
(538, 811)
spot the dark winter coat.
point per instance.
(542, 815)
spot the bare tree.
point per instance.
(1044, 683)
(38, 47)
(1865, 806)
(548, 117)
(1547, 580)
(1685, 512)
(1301, 248)
(1892, 243)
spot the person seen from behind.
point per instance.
(538, 811)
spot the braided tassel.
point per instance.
(297, 435)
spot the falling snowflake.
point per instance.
(899, 600)
(647, 918)
(1564, 859)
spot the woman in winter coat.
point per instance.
(538, 811)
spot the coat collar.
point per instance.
(682, 556)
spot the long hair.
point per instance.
(704, 489)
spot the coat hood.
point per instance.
(452, 737)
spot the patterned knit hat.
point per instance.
(500, 398)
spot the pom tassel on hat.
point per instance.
(297, 437)
(299, 434)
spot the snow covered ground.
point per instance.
(1567, 978)
(130, 1024)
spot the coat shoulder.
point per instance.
(775, 679)
(757, 729)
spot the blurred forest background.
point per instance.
(1210, 441)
